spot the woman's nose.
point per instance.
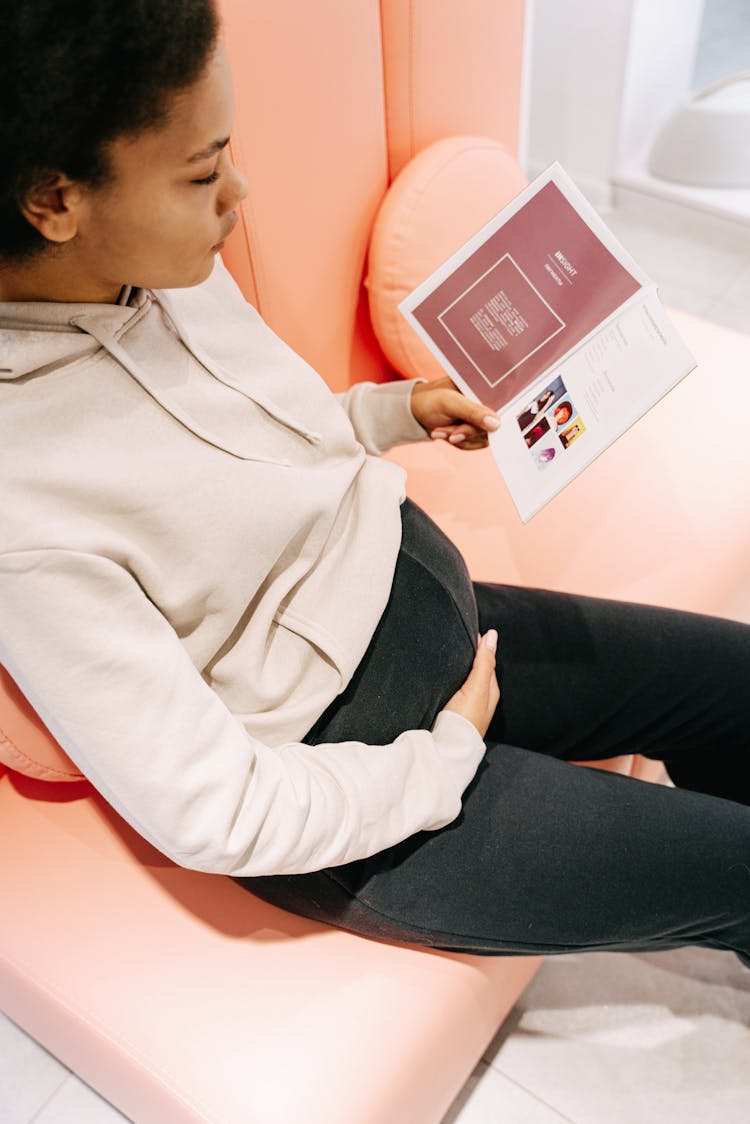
(237, 188)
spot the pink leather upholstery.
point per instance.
(183, 999)
(26, 744)
(660, 517)
(177, 995)
(439, 199)
(450, 69)
(311, 136)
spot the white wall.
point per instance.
(663, 44)
(578, 60)
(603, 74)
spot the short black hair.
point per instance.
(76, 75)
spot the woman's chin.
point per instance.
(206, 270)
(185, 279)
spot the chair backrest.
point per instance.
(332, 99)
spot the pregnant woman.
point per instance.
(217, 597)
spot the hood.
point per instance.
(39, 337)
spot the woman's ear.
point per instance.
(52, 208)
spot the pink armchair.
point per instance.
(177, 995)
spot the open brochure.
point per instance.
(544, 316)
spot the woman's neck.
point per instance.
(54, 277)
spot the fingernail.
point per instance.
(438, 435)
(457, 438)
(490, 639)
(490, 423)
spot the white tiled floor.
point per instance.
(596, 1039)
(708, 275)
(658, 1038)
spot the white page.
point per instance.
(610, 381)
(542, 297)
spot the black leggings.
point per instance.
(546, 856)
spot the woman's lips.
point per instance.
(220, 245)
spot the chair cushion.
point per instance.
(184, 999)
(440, 199)
(41, 756)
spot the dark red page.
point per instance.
(520, 302)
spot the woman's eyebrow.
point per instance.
(215, 146)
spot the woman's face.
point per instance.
(159, 222)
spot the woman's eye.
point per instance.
(208, 179)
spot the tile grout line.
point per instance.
(531, 1093)
(712, 303)
(624, 224)
(745, 266)
(50, 1098)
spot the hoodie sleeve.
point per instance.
(381, 414)
(108, 675)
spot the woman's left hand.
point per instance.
(449, 415)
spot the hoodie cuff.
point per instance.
(460, 744)
(381, 414)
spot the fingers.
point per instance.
(489, 424)
(478, 417)
(461, 436)
(483, 668)
(478, 697)
(465, 424)
(485, 661)
(448, 415)
(489, 641)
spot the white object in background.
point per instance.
(706, 140)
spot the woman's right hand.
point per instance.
(480, 694)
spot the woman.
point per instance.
(562, 414)
(214, 593)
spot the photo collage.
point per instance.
(550, 424)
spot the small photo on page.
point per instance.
(563, 413)
(572, 433)
(549, 395)
(544, 458)
(536, 432)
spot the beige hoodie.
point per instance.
(196, 545)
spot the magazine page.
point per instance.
(556, 427)
(523, 292)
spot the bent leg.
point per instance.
(585, 678)
(549, 857)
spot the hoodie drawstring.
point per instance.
(107, 340)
